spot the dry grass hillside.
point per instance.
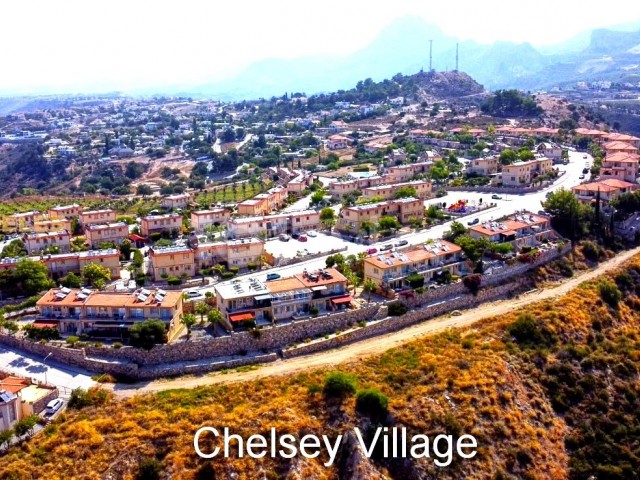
(550, 392)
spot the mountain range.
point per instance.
(403, 47)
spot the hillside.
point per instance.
(549, 391)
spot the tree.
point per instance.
(455, 231)
(147, 334)
(339, 385)
(525, 154)
(25, 425)
(568, 216)
(317, 197)
(144, 190)
(372, 402)
(71, 280)
(369, 286)
(96, 275)
(507, 157)
(439, 171)
(473, 248)
(367, 226)
(15, 248)
(201, 309)
(188, 320)
(328, 217)
(5, 437)
(406, 192)
(387, 223)
(215, 318)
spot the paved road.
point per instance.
(31, 366)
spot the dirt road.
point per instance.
(357, 351)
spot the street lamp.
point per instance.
(44, 362)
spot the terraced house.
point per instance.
(170, 222)
(403, 209)
(269, 302)
(180, 200)
(106, 233)
(65, 211)
(424, 190)
(233, 253)
(76, 311)
(264, 203)
(202, 219)
(93, 217)
(22, 221)
(391, 270)
(522, 229)
(58, 265)
(271, 226)
(37, 242)
(171, 262)
(52, 225)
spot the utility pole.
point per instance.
(457, 57)
(44, 362)
(430, 56)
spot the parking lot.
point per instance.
(292, 248)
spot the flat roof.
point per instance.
(104, 226)
(431, 250)
(92, 212)
(76, 297)
(240, 288)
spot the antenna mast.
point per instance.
(456, 57)
(430, 55)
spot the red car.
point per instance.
(302, 238)
(371, 251)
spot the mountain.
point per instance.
(403, 47)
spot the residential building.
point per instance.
(623, 137)
(423, 189)
(483, 167)
(618, 146)
(264, 203)
(106, 233)
(232, 253)
(171, 262)
(521, 229)
(609, 189)
(10, 410)
(180, 200)
(271, 226)
(390, 270)
(244, 300)
(338, 142)
(404, 173)
(21, 221)
(36, 242)
(93, 217)
(75, 311)
(350, 219)
(338, 189)
(32, 398)
(52, 225)
(65, 211)
(201, 219)
(520, 174)
(299, 183)
(550, 150)
(621, 165)
(170, 222)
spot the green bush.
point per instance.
(72, 340)
(37, 333)
(227, 275)
(397, 308)
(339, 385)
(472, 282)
(372, 402)
(149, 469)
(81, 398)
(234, 270)
(591, 250)
(526, 331)
(415, 280)
(117, 345)
(314, 310)
(174, 280)
(610, 293)
(252, 266)
(147, 334)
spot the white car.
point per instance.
(312, 233)
(193, 294)
(53, 406)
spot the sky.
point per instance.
(96, 45)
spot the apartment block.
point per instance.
(36, 242)
(404, 173)
(271, 226)
(390, 270)
(22, 221)
(171, 262)
(76, 311)
(205, 218)
(160, 223)
(608, 189)
(522, 229)
(52, 225)
(106, 233)
(520, 174)
(180, 200)
(93, 217)
(233, 253)
(264, 203)
(423, 188)
(403, 209)
(338, 189)
(483, 167)
(65, 211)
(622, 166)
(268, 302)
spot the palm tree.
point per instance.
(215, 317)
(188, 320)
(369, 286)
(201, 309)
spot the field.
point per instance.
(550, 391)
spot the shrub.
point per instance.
(174, 280)
(252, 266)
(227, 275)
(591, 250)
(610, 293)
(72, 340)
(339, 385)
(397, 308)
(415, 280)
(372, 402)
(472, 282)
(149, 470)
(81, 398)
(314, 310)
(234, 270)
(117, 345)
(526, 331)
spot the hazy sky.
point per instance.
(97, 44)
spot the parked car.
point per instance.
(302, 238)
(284, 237)
(542, 212)
(272, 276)
(475, 221)
(401, 243)
(371, 251)
(584, 156)
(53, 406)
(388, 246)
(193, 294)
(312, 233)
(495, 196)
(585, 170)
(295, 236)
